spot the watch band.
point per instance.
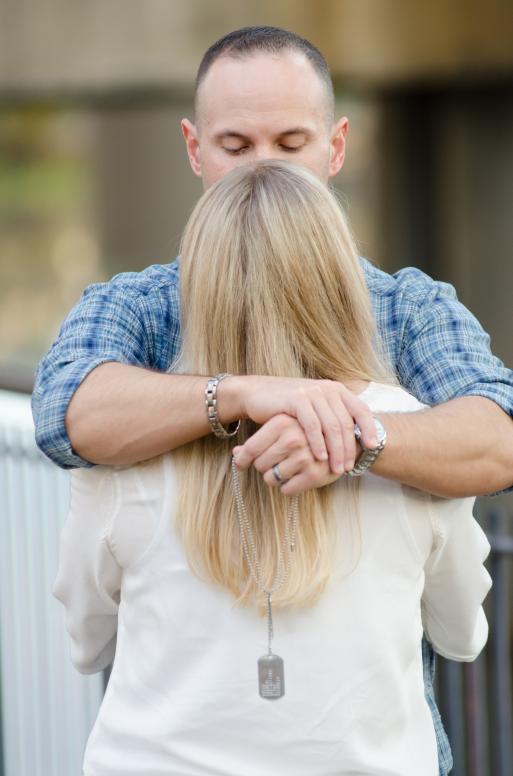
(211, 404)
(368, 456)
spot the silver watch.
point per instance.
(369, 455)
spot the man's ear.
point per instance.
(190, 135)
(338, 145)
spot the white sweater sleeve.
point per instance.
(456, 581)
(89, 577)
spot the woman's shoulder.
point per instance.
(390, 397)
(151, 472)
(129, 502)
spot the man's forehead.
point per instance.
(261, 84)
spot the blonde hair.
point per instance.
(270, 284)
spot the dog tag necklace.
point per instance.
(271, 675)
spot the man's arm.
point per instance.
(132, 320)
(448, 450)
(96, 400)
(461, 448)
(121, 414)
(464, 445)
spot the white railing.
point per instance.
(47, 707)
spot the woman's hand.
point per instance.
(282, 441)
(326, 410)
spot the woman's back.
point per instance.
(183, 697)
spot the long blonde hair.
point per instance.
(270, 284)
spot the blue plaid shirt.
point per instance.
(437, 347)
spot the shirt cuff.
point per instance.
(49, 411)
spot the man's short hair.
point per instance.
(273, 40)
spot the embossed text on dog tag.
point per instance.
(271, 677)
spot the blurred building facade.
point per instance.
(94, 178)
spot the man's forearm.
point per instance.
(461, 448)
(123, 414)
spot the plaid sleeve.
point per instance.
(111, 322)
(444, 352)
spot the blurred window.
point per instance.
(48, 247)
(90, 190)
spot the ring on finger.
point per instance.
(277, 474)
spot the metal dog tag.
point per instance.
(271, 678)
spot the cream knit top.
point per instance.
(182, 698)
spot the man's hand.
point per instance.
(282, 440)
(326, 410)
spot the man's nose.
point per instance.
(265, 151)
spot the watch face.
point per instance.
(380, 428)
(369, 455)
(380, 433)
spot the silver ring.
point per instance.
(277, 474)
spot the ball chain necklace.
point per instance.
(271, 675)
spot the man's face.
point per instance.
(259, 107)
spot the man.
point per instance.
(102, 395)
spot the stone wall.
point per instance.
(96, 46)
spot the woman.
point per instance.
(168, 566)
